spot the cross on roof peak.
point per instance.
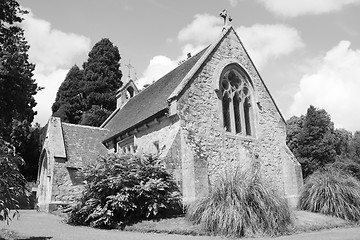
(129, 66)
(227, 18)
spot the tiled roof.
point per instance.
(150, 101)
(83, 143)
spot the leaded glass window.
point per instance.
(236, 92)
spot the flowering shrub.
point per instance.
(124, 189)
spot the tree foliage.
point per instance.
(12, 182)
(355, 147)
(123, 189)
(312, 140)
(17, 87)
(69, 103)
(316, 144)
(87, 96)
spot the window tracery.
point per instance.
(236, 98)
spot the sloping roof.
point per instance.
(83, 143)
(150, 101)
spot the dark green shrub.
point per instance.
(332, 192)
(12, 182)
(347, 165)
(123, 189)
(240, 205)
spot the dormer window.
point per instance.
(236, 97)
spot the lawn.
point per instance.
(303, 222)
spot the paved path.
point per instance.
(41, 226)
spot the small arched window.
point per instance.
(236, 97)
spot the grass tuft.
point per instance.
(239, 205)
(332, 192)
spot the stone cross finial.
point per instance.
(227, 18)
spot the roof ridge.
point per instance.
(84, 126)
(197, 65)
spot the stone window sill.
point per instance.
(240, 136)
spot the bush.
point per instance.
(123, 189)
(12, 182)
(240, 205)
(347, 165)
(332, 192)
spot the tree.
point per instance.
(12, 182)
(90, 93)
(355, 147)
(17, 87)
(294, 127)
(30, 152)
(315, 142)
(69, 104)
(342, 142)
(95, 116)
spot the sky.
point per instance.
(307, 52)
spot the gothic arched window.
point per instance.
(236, 97)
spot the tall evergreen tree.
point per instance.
(88, 96)
(17, 87)
(69, 104)
(102, 76)
(315, 140)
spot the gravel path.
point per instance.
(41, 226)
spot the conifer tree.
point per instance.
(17, 87)
(88, 96)
(315, 140)
(69, 104)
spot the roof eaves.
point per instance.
(149, 119)
(196, 67)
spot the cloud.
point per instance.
(158, 67)
(46, 97)
(294, 8)
(265, 42)
(53, 51)
(204, 29)
(334, 86)
(51, 48)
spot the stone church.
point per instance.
(206, 118)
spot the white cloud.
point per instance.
(335, 87)
(204, 29)
(46, 97)
(294, 8)
(158, 67)
(51, 48)
(52, 51)
(265, 42)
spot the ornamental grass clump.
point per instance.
(241, 204)
(333, 192)
(121, 190)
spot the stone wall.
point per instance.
(214, 152)
(162, 136)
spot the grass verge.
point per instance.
(303, 222)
